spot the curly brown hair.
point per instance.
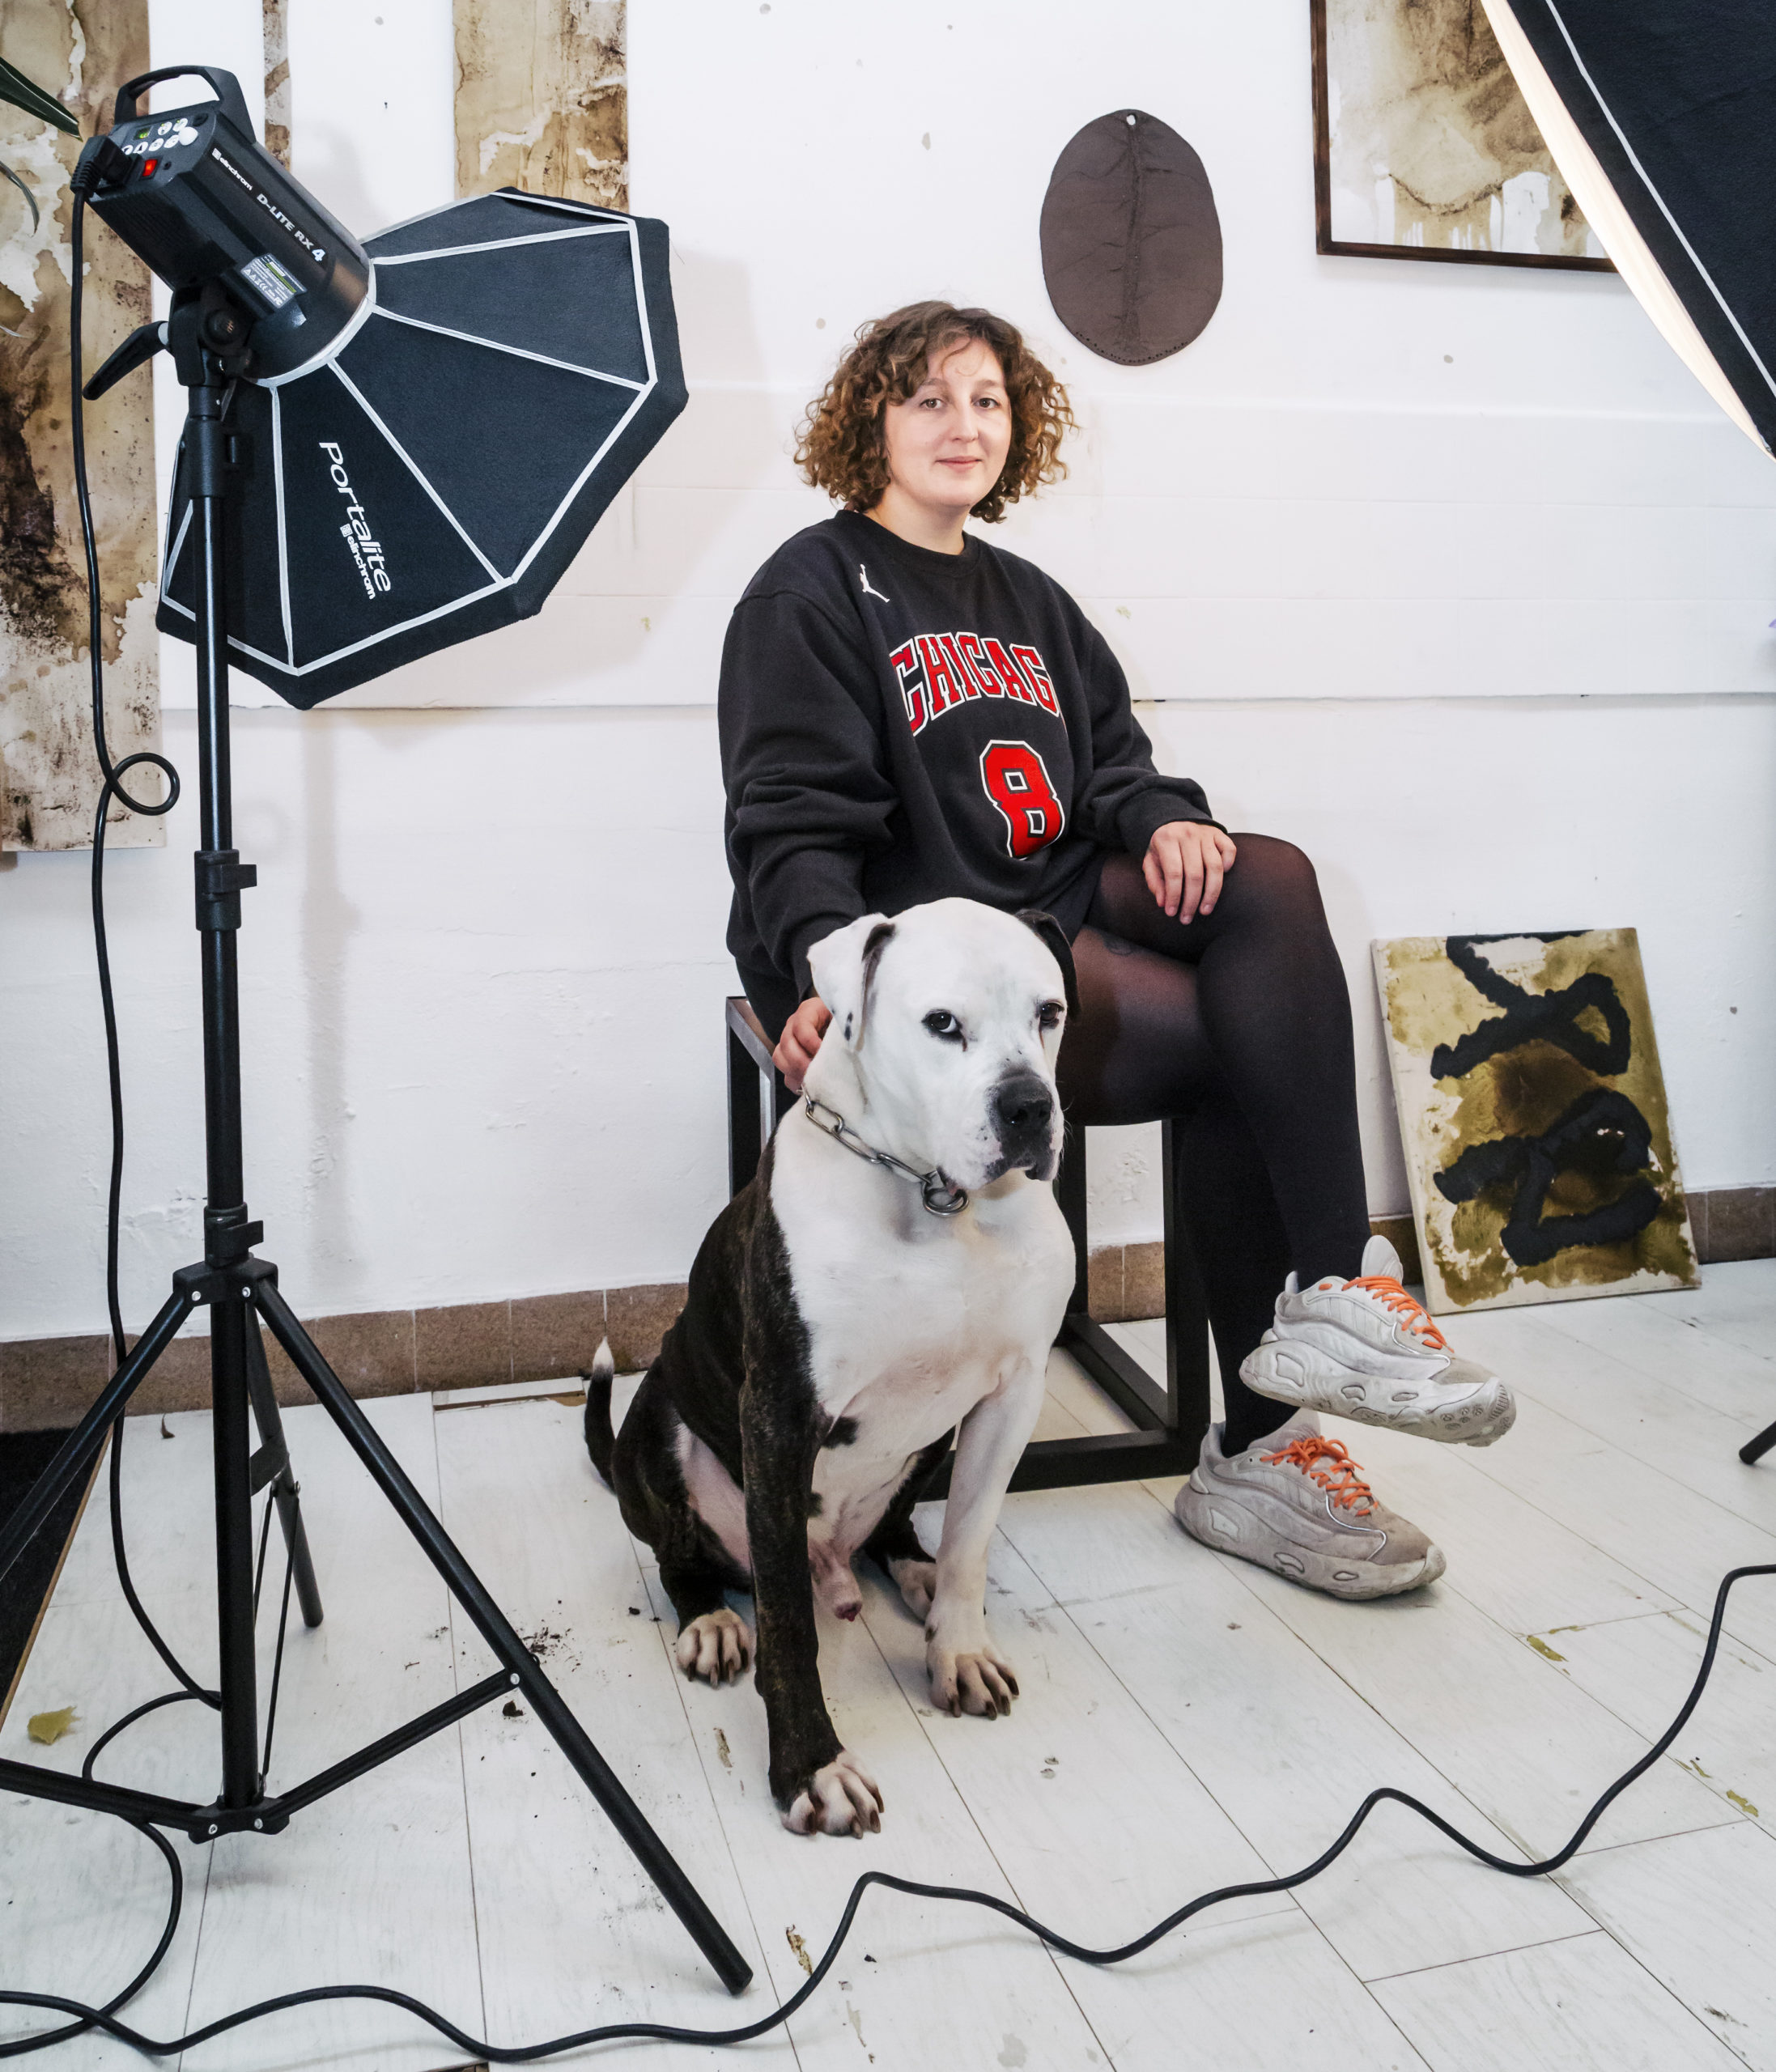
(839, 446)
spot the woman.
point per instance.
(906, 714)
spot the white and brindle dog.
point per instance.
(894, 1274)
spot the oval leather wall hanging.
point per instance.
(1130, 243)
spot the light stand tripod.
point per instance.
(241, 1292)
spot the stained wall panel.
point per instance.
(278, 94)
(542, 99)
(49, 777)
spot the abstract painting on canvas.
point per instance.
(1533, 1112)
(1425, 149)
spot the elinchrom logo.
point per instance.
(366, 550)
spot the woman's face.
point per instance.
(946, 444)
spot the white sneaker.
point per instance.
(1364, 1349)
(1297, 1502)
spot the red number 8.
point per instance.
(1017, 781)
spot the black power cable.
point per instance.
(88, 2017)
(665, 2033)
(112, 787)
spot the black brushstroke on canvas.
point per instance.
(1600, 1135)
(1552, 1017)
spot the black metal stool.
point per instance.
(1171, 1416)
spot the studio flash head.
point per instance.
(278, 281)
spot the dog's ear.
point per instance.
(843, 964)
(1055, 938)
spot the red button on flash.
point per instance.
(148, 166)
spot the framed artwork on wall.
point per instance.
(1425, 149)
(1533, 1114)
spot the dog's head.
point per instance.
(946, 1024)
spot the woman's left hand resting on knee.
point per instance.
(1184, 864)
(800, 1038)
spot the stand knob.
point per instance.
(140, 346)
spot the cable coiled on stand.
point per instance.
(112, 787)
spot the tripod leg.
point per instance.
(1754, 1449)
(511, 1653)
(237, 1669)
(78, 1450)
(285, 1492)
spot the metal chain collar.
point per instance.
(941, 1196)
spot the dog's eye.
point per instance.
(1048, 1015)
(944, 1025)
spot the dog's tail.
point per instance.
(601, 1439)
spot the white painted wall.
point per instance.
(1449, 575)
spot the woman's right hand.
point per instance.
(800, 1040)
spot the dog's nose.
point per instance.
(1023, 1107)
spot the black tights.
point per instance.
(1236, 1025)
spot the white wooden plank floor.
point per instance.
(1186, 1720)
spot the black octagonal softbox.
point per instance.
(1661, 114)
(431, 478)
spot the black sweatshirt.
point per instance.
(899, 725)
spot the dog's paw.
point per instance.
(840, 1799)
(716, 1647)
(917, 1583)
(981, 1682)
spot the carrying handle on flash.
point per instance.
(223, 85)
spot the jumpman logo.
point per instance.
(863, 577)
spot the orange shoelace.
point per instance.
(1326, 1462)
(1391, 1296)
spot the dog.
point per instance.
(893, 1277)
